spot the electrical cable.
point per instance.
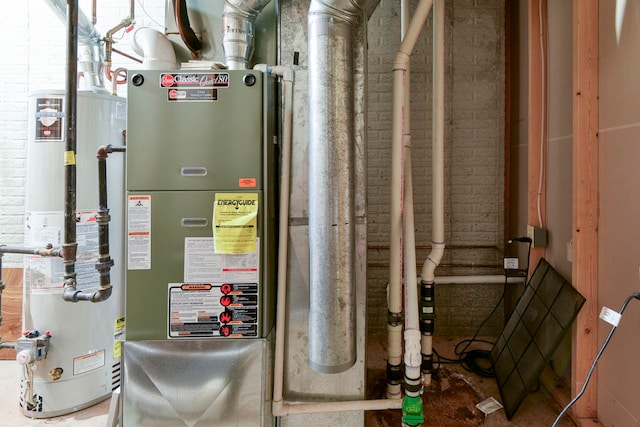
(141, 4)
(471, 360)
(476, 360)
(542, 114)
(635, 295)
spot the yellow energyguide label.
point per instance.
(235, 223)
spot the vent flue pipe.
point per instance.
(89, 52)
(238, 20)
(332, 313)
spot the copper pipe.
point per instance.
(126, 55)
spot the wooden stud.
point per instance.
(585, 201)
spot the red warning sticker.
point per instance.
(247, 183)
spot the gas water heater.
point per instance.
(200, 238)
(70, 352)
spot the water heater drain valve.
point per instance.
(32, 347)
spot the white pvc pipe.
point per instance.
(477, 279)
(412, 355)
(433, 259)
(279, 406)
(283, 232)
(394, 302)
(156, 49)
(400, 70)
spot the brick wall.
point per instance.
(474, 154)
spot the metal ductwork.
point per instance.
(238, 20)
(332, 318)
(90, 52)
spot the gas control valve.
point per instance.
(32, 347)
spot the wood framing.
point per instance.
(11, 327)
(585, 202)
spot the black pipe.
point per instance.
(394, 372)
(427, 321)
(70, 246)
(105, 262)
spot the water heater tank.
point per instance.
(70, 351)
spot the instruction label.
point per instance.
(235, 222)
(43, 274)
(46, 274)
(139, 232)
(88, 362)
(208, 310)
(203, 264)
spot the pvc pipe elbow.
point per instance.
(156, 49)
(432, 261)
(286, 73)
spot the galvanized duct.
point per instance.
(90, 53)
(238, 18)
(332, 316)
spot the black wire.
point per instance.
(472, 360)
(595, 361)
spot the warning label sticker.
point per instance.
(209, 310)
(139, 232)
(88, 362)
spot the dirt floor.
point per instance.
(450, 400)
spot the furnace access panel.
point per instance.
(200, 205)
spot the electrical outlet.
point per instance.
(538, 236)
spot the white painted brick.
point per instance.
(474, 143)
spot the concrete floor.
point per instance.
(11, 413)
(538, 409)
